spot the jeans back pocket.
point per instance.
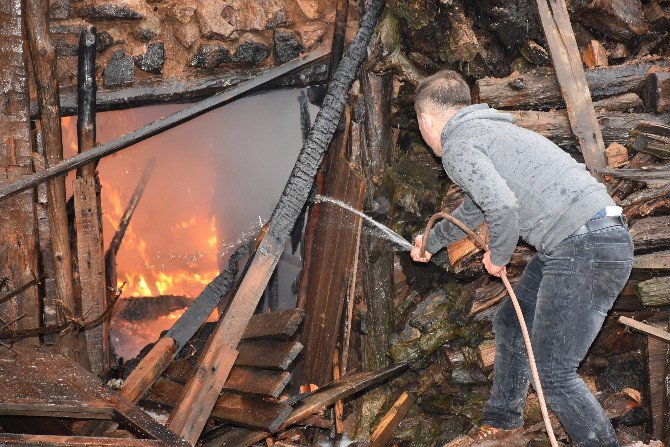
(609, 279)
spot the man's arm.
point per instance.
(445, 233)
(473, 171)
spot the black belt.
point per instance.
(601, 223)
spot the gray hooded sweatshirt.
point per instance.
(519, 181)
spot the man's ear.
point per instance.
(425, 120)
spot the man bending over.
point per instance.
(526, 186)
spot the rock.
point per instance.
(287, 45)
(182, 10)
(257, 15)
(310, 8)
(113, 9)
(212, 24)
(188, 34)
(311, 33)
(152, 59)
(417, 13)
(209, 56)
(251, 51)
(147, 29)
(120, 70)
(117, 35)
(467, 376)
(103, 41)
(59, 9)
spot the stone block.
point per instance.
(287, 45)
(113, 9)
(120, 70)
(152, 59)
(210, 56)
(212, 23)
(251, 51)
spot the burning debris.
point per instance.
(103, 344)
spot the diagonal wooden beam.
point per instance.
(572, 81)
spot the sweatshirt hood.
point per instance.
(473, 112)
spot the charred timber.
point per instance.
(538, 89)
(89, 242)
(161, 125)
(146, 93)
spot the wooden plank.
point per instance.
(268, 354)
(184, 88)
(146, 372)
(7, 439)
(247, 380)
(657, 353)
(199, 397)
(207, 381)
(276, 325)
(18, 260)
(645, 328)
(250, 411)
(141, 424)
(43, 56)
(327, 281)
(389, 423)
(164, 394)
(572, 80)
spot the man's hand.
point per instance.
(415, 253)
(493, 269)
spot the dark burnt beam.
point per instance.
(182, 89)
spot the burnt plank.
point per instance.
(250, 411)
(248, 380)
(268, 354)
(276, 325)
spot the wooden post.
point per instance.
(376, 269)
(572, 80)
(90, 254)
(18, 259)
(200, 393)
(46, 78)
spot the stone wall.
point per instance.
(142, 40)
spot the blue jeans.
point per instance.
(565, 295)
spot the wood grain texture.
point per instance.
(275, 325)
(389, 423)
(268, 354)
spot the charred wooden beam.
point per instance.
(161, 125)
(90, 251)
(250, 411)
(641, 174)
(43, 55)
(572, 80)
(7, 439)
(200, 393)
(651, 233)
(185, 89)
(539, 89)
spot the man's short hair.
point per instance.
(444, 90)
